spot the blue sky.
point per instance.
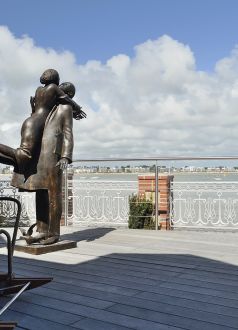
(99, 29)
(155, 77)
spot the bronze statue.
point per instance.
(45, 150)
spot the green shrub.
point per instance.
(140, 213)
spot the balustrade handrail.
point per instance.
(156, 158)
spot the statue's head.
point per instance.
(68, 88)
(50, 76)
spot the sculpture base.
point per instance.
(41, 249)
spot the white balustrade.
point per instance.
(100, 202)
(204, 204)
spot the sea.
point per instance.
(178, 176)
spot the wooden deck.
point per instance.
(132, 279)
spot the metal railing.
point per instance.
(189, 211)
(8, 209)
(105, 202)
(204, 204)
(98, 202)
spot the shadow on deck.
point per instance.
(126, 291)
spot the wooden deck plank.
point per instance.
(91, 298)
(201, 282)
(80, 310)
(125, 279)
(173, 320)
(83, 311)
(160, 265)
(149, 271)
(196, 302)
(185, 308)
(194, 296)
(28, 322)
(166, 296)
(132, 287)
(91, 324)
(194, 289)
(27, 306)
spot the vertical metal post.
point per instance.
(171, 210)
(9, 252)
(66, 197)
(156, 197)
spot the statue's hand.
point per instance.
(78, 113)
(63, 163)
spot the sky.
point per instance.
(155, 77)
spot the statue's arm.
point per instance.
(78, 113)
(33, 104)
(63, 98)
(68, 141)
(33, 99)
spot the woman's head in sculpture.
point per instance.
(50, 76)
(68, 88)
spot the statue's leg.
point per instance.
(42, 211)
(23, 159)
(42, 218)
(55, 212)
(48, 213)
(7, 155)
(18, 158)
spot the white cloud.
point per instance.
(155, 103)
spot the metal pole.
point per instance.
(9, 252)
(66, 197)
(156, 197)
(14, 298)
(159, 158)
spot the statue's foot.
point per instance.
(50, 240)
(29, 232)
(34, 239)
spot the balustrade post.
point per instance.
(66, 196)
(156, 197)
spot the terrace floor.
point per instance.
(131, 279)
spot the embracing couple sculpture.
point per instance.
(45, 151)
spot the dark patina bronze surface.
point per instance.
(45, 151)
